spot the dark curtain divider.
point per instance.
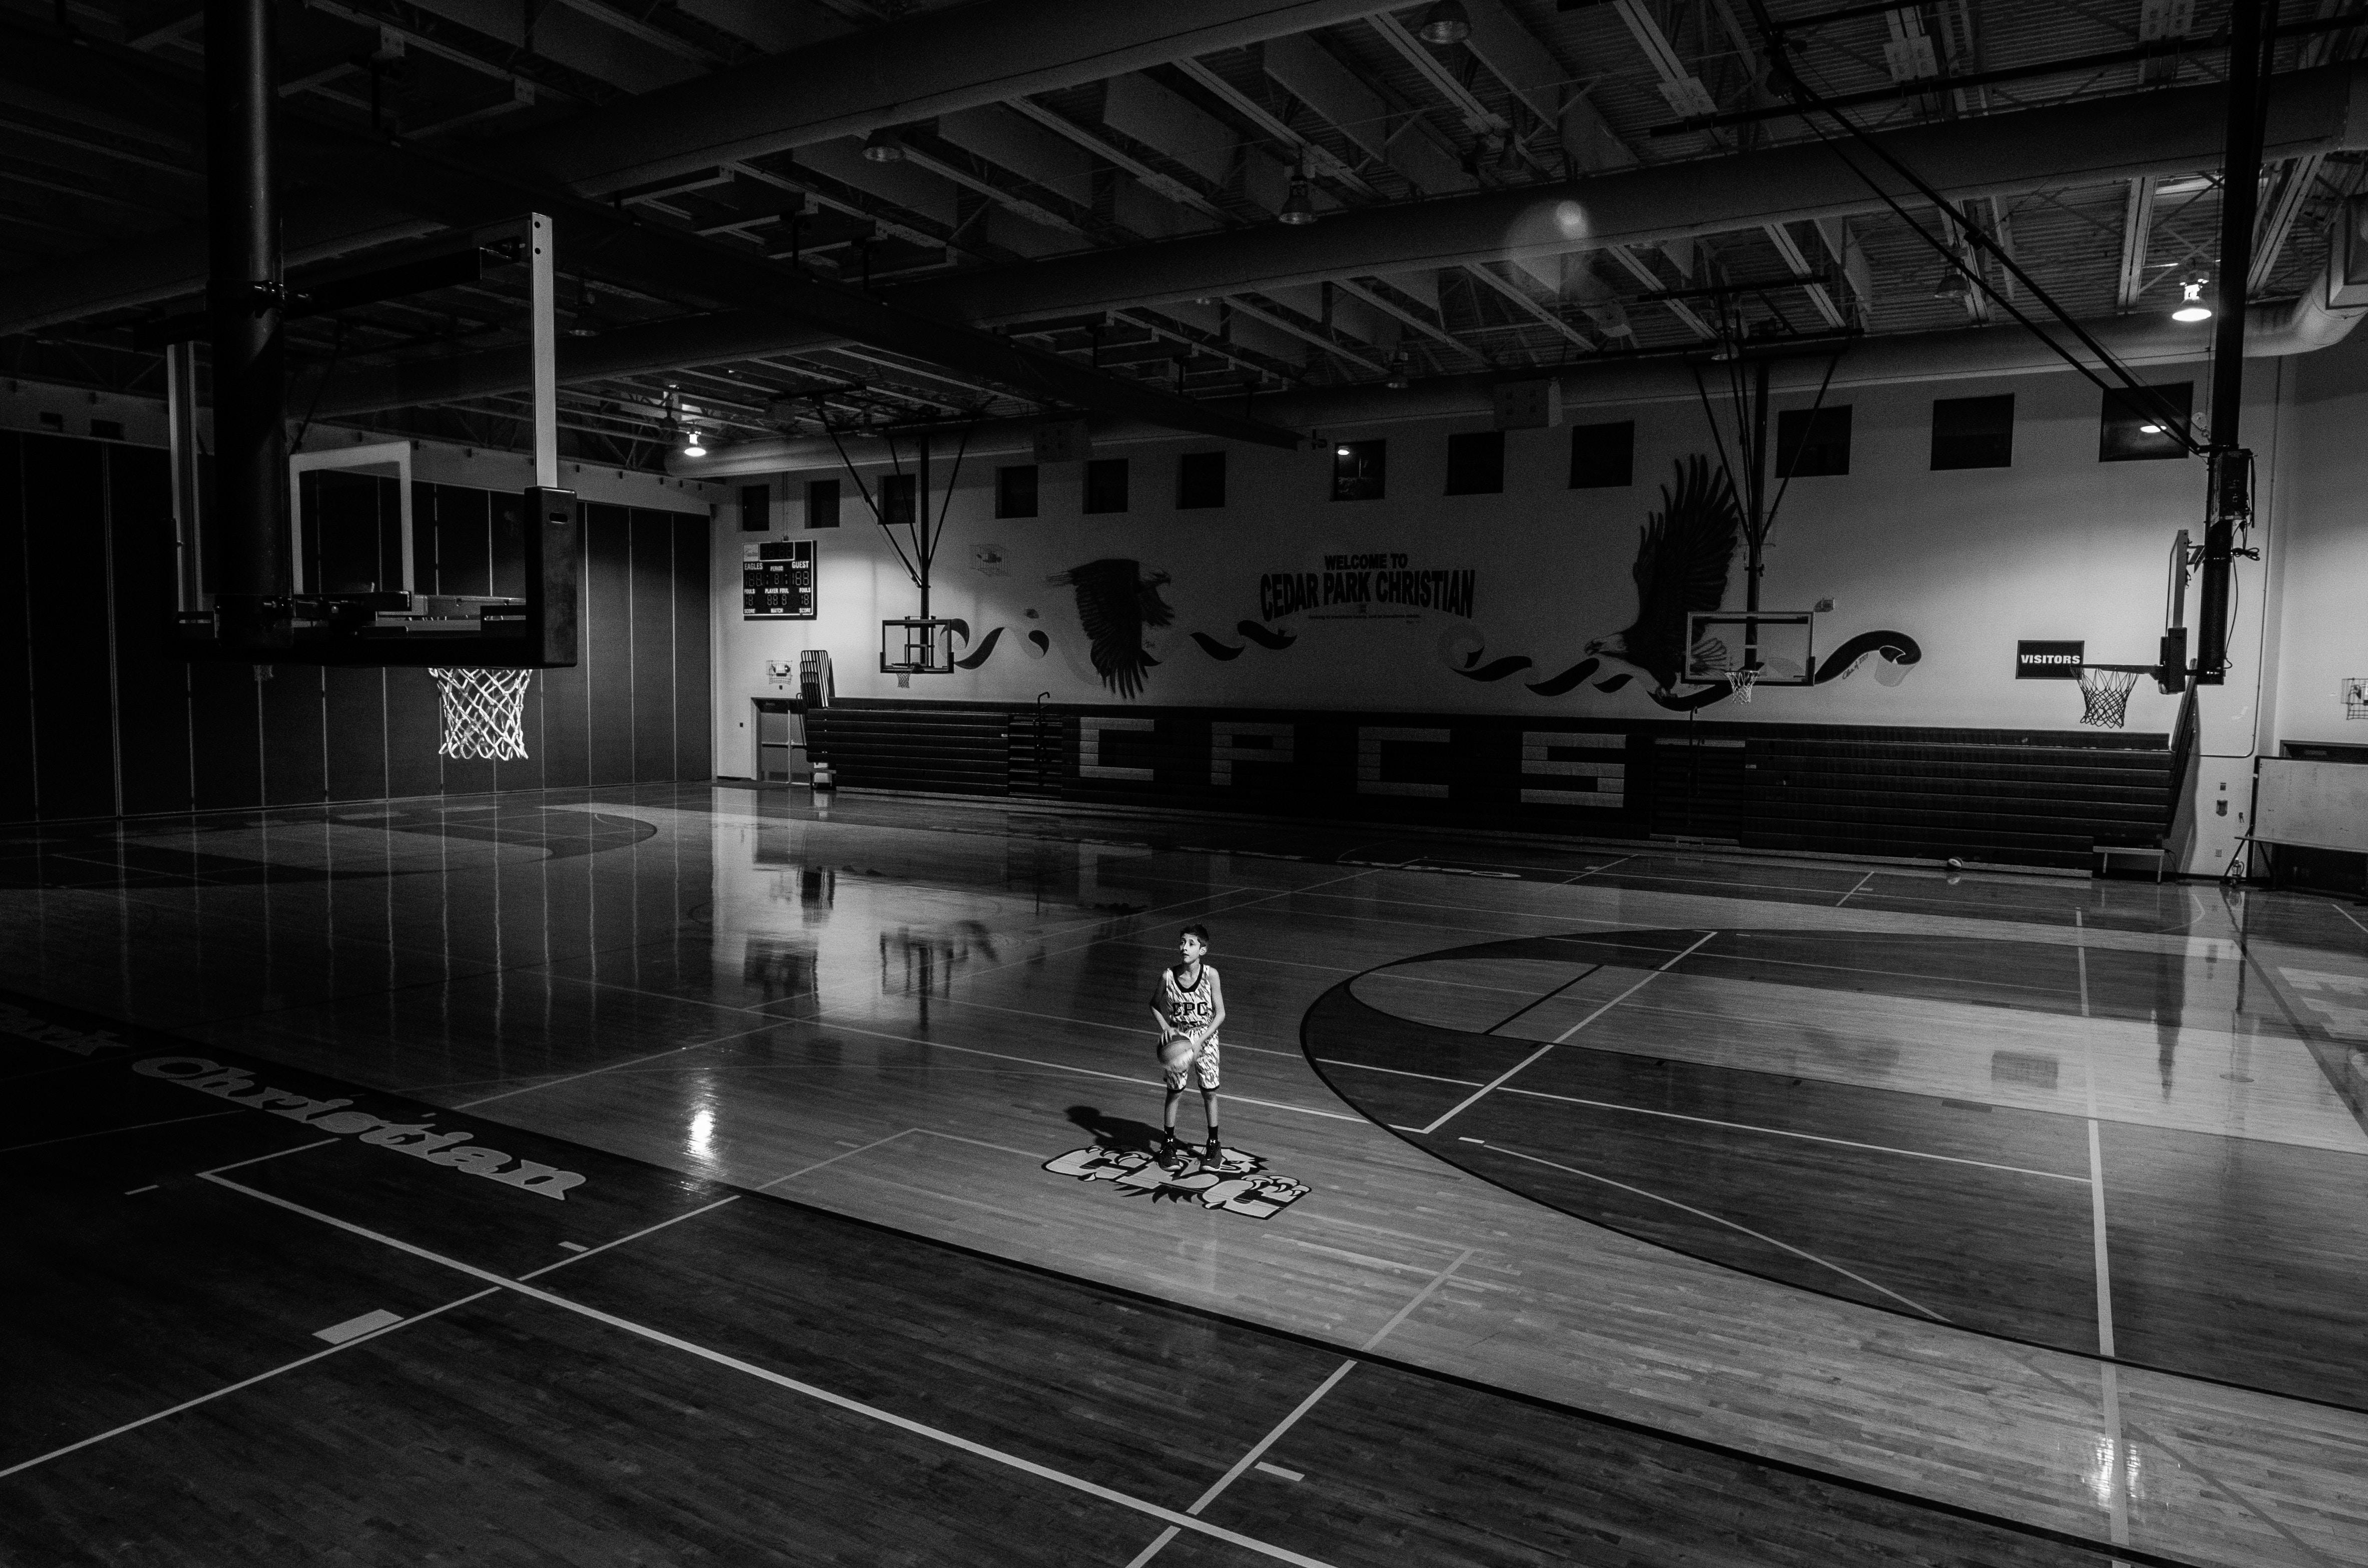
(96, 718)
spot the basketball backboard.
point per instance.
(1779, 646)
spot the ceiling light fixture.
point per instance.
(692, 447)
(1400, 376)
(881, 147)
(2191, 307)
(1298, 208)
(1446, 22)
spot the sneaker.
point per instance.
(1173, 1154)
(1214, 1159)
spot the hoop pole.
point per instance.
(922, 542)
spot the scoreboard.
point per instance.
(777, 581)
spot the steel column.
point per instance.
(248, 518)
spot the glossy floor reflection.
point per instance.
(902, 1011)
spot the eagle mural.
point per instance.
(1683, 554)
(1115, 603)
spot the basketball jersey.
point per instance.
(1189, 1009)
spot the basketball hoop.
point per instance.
(1742, 680)
(482, 709)
(2105, 688)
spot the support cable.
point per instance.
(1976, 236)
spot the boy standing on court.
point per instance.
(1188, 1009)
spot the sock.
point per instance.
(1213, 1134)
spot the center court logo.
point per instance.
(1236, 1184)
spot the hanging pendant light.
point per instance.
(881, 147)
(2191, 307)
(1299, 206)
(1446, 22)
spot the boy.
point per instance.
(1188, 1009)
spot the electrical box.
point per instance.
(1066, 442)
(1529, 405)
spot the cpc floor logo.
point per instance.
(1238, 1183)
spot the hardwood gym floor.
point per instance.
(1591, 1206)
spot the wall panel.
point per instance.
(356, 702)
(66, 567)
(693, 649)
(652, 613)
(608, 662)
(18, 796)
(151, 689)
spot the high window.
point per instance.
(1201, 480)
(1358, 469)
(1015, 491)
(1973, 432)
(1603, 457)
(2139, 425)
(1476, 463)
(1812, 441)
(1106, 485)
(822, 503)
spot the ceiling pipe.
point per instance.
(2089, 143)
(965, 58)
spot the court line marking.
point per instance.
(1861, 883)
(1711, 1121)
(1419, 1297)
(1159, 1543)
(1256, 1454)
(110, 1132)
(1811, 1137)
(1730, 1224)
(778, 1379)
(1477, 1095)
(2117, 1504)
(844, 1155)
(345, 1345)
(2348, 916)
(1592, 869)
(1541, 1001)
(242, 1384)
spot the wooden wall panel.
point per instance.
(225, 735)
(608, 663)
(107, 717)
(17, 798)
(413, 734)
(653, 612)
(295, 736)
(694, 726)
(355, 706)
(73, 677)
(151, 689)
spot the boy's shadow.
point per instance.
(1116, 1132)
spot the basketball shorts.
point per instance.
(1194, 1071)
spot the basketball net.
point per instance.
(482, 711)
(1741, 680)
(2106, 694)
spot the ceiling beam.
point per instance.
(2137, 225)
(2058, 146)
(936, 63)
